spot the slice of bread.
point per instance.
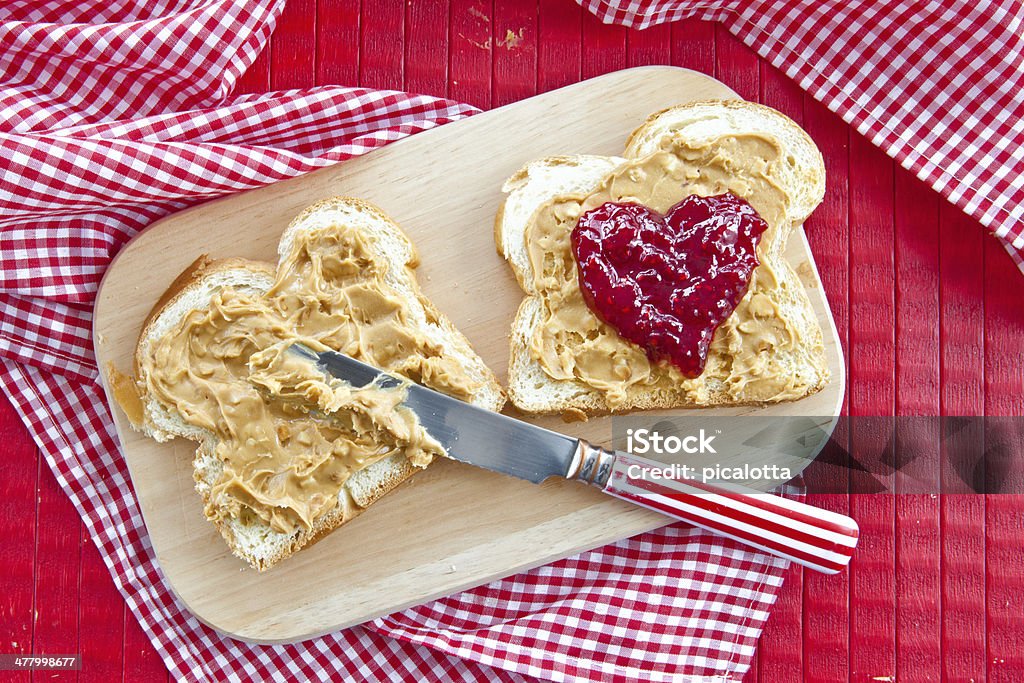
(252, 539)
(564, 186)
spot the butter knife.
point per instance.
(815, 538)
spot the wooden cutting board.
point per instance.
(452, 526)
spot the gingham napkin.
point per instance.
(113, 114)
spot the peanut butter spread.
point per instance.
(572, 343)
(289, 436)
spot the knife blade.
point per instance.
(816, 538)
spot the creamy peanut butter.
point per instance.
(289, 436)
(572, 343)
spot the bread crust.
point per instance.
(391, 474)
(815, 178)
(190, 278)
(354, 202)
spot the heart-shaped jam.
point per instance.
(667, 282)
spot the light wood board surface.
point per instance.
(452, 526)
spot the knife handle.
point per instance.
(815, 538)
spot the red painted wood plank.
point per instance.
(1004, 590)
(918, 607)
(962, 518)
(337, 42)
(872, 364)
(18, 481)
(469, 56)
(515, 51)
(293, 46)
(257, 77)
(101, 618)
(916, 219)
(141, 661)
(736, 65)
(825, 636)
(1004, 332)
(779, 92)
(693, 45)
(426, 40)
(780, 650)
(650, 46)
(1004, 512)
(382, 39)
(559, 44)
(604, 47)
(58, 575)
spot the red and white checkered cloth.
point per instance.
(114, 113)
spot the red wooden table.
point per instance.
(928, 308)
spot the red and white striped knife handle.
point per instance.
(815, 538)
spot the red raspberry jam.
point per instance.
(667, 282)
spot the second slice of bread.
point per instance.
(570, 181)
